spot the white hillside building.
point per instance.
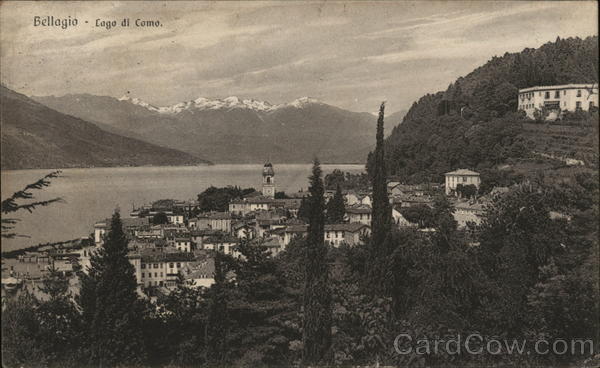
(568, 97)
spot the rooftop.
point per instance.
(561, 86)
(351, 227)
(463, 172)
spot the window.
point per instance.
(156, 265)
(170, 265)
(578, 105)
(143, 266)
(557, 94)
(565, 92)
(143, 274)
(464, 179)
(178, 264)
(578, 93)
(155, 274)
(591, 104)
(161, 274)
(547, 94)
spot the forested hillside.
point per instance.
(475, 124)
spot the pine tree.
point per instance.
(110, 305)
(317, 295)
(381, 219)
(336, 208)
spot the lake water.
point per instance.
(93, 194)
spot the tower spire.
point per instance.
(268, 184)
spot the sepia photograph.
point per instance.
(300, 184)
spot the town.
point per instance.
(169, 238)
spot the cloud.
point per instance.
(349, 54)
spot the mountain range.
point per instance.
(232, 130)
(35, 136)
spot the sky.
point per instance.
(349, 54)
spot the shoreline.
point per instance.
(171, 166)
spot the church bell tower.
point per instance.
(268, 184)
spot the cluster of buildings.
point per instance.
(182, 244)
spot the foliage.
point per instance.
(336, 208)
(381, 219)
(175, 327)
(466, 191)
(160, 219)
(419, 214)
(217, 199)
(217, 324)
(346, 180)
(10, 204)
(316, 330)
(281, 195)
(304, 210)
(21, 333)
(110, 307)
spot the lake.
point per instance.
(93, 194)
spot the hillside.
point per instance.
(233, 130)
(474, 123)
(35, 136)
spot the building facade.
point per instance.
(567, 97)
(461, 176)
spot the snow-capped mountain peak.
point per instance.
(228, 103)
(303, 101)
(137, 101)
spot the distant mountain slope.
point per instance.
(35, 136)
(232, 129)
(475, 124)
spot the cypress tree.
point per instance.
(336, 208)
(110, 305)
(303, 211)
(381, 218)
(317, 295)
(217, 323)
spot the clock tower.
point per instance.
(268, 184)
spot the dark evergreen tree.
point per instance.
(317, 295)
(381, 219)
(111, 309)
(263, 311)
(304, 211)
(336, 208)
(217, 324)
(10, 204)
(21, 333)
(60, 323)
(160, 218)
